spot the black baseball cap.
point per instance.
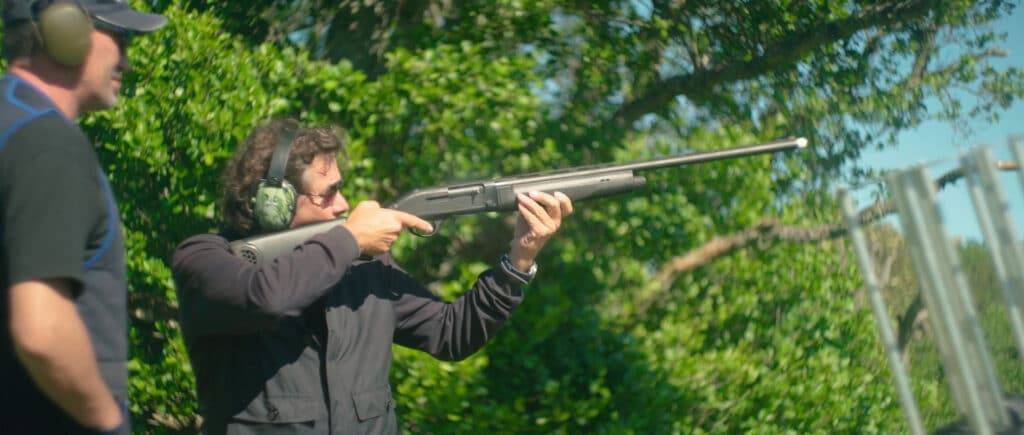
(110, 13)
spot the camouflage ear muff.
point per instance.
(65, 31)
(274, 202)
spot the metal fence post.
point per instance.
(892, 350)
(953, 319)
(1001, 236)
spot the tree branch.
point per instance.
(976, 57)
(783, 53)
(926, 41)
(905, 325)
(769, 232)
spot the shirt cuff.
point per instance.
(522, 277)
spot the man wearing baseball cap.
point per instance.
(63, 292)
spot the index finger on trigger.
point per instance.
(412, 221)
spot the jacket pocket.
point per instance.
(373, 403)
(280, 409)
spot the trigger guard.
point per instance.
(436, 224)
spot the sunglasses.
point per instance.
(122, 37)
(328, 196)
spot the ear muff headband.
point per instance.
(279, 161)
(65, 31)
(274, 203)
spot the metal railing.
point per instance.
(953, 321)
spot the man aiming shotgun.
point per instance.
(302, 344)
(296, 337)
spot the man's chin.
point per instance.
(100, 103)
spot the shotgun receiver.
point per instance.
(437, 203)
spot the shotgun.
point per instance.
(437, 203)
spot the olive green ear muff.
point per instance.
(65, 31)
(274, 202)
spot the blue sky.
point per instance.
(937, 141)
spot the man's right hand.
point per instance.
(376, 228)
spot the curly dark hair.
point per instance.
(251, 162)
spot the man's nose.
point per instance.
(340, 204)
(124, 65)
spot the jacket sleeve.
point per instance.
(453, 331)
(223, 294)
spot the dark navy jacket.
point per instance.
(302, 345)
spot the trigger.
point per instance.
(436, 224)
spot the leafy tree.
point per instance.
(848, 75)
(768, 339)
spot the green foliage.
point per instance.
(849, 75)
(767, 340)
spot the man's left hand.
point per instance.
(540, 217)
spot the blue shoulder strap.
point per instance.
(112, 219)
